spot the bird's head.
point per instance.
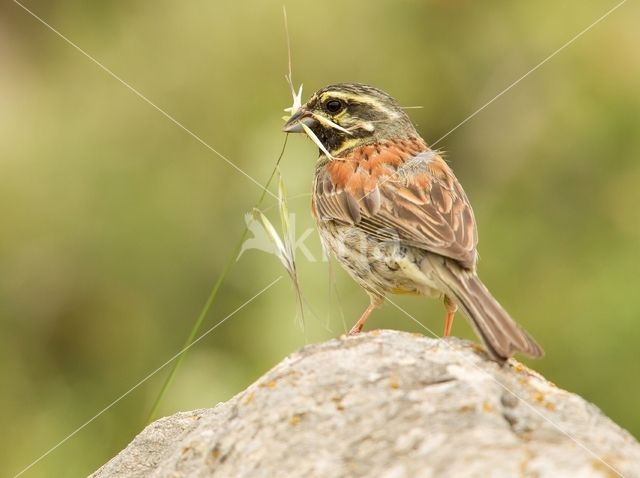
(348, 115)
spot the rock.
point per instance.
(387, 404)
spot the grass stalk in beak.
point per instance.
(331, 124)
(316, 140)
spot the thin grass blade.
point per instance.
(316, 140)
(289, 241)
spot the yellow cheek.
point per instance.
(340, 114)
(346, 144)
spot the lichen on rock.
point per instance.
(387, 404)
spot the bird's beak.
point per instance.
(300, 117)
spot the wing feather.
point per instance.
(419, 201)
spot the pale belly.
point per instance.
(380, 267)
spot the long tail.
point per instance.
(501, 335)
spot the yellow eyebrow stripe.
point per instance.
(361, 99)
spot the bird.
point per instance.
(394, 215)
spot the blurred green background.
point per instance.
(115, 222)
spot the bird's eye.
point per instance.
(333, 106)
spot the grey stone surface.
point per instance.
(391, 405)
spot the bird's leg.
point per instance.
(451, 309)
(374, 304)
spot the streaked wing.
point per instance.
(393, 191)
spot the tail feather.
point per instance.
(501, 335)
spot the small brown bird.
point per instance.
(393, 213)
